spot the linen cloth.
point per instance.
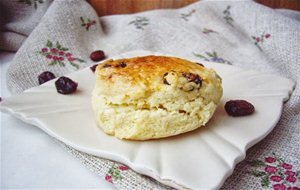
(61, 35)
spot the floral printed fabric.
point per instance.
(31, 2)
(207, 56)
(275, 173)
(227, 16)
(114, 173)
(221, 31)
(259, 40)
(87, 23)
(140, 22)
(185, 16)
(59, 55)
(207, 31)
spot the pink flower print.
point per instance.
(113, 174)
(275, 178)
(286, 166)
(54, 50)
(293, 188)
(279, 187)
(68, 54)
(123, 167)
(87, 23)
(270, 169)
(49, 56)
(71, 59)
(108, 178)
(278, 176)
(270, 159)
(259, 40)
(44, 50)
(289, 173)
(291, 179)
(59, 55)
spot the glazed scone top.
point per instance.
(125, 80)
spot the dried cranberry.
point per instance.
(93, 68)
(198, 80)
(45, 76)
(65, 85)
(123, 65)
(182, 111)
(165, 80)
(97, 55)
(239, 108)
(193, 78)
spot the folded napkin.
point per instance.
(60, 35)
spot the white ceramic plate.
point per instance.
(201, 159)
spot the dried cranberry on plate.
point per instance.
(65, 85)
(239, 108)
(45, 76)
(97, 55)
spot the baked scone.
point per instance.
(154, 96)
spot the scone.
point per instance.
(154, 96)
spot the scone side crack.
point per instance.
(159, 107)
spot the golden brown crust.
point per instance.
(144, 69)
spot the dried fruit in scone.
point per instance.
(154, 96)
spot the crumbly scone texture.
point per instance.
(154, 96)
